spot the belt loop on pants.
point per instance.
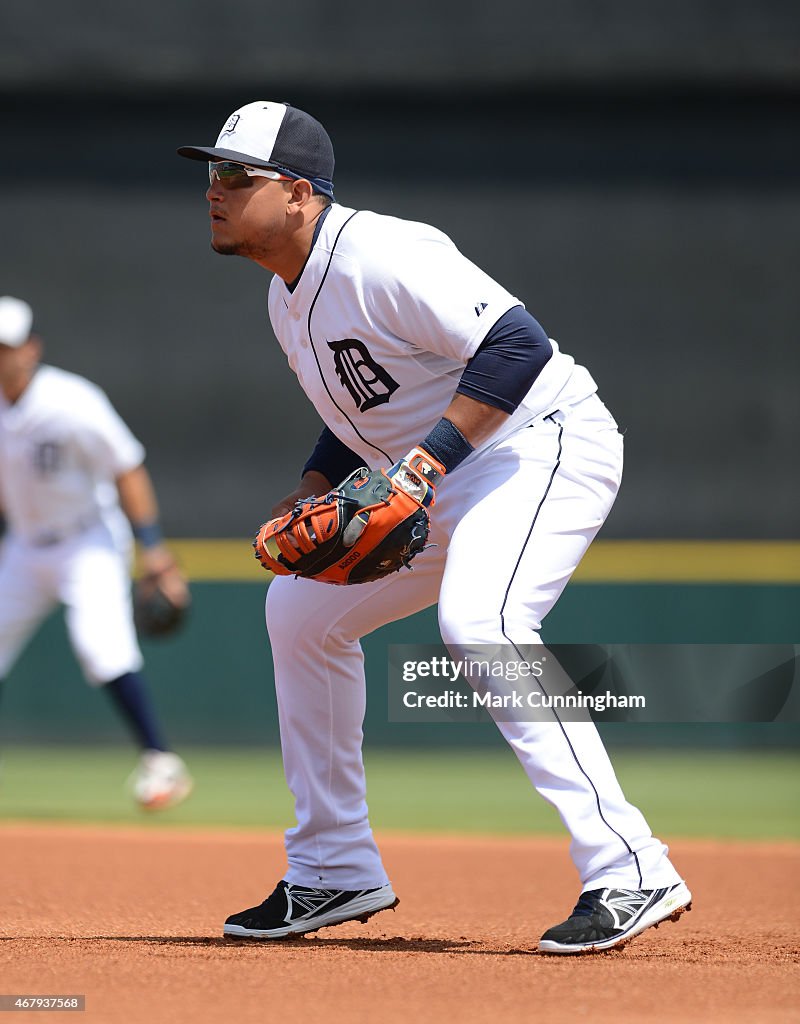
(50, 538)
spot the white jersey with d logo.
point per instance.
(62, 445)
(378, 329)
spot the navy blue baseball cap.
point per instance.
(277, 135)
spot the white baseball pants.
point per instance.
(88, 575)
(511, 525)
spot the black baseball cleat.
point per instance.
(295, 910)
(608, 918)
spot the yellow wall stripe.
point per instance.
(694, 561)
(229, 559)
(607, 561)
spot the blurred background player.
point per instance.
(67, 464)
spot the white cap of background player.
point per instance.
(16, 320)
(267, 134)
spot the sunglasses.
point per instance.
(231, 175)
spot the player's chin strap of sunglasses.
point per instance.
(235, 175)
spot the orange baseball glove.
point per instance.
(365, 529)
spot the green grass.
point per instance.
(715, 794)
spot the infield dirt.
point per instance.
(132, 918)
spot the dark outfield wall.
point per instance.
(427, 43)
(655, 239)
(630, 170)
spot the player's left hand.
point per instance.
(159, 563)
(417, 474)
(365, 529)
(161, 595)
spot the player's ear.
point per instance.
(301, 194)
(34, 349)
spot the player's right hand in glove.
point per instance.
(313, 482)
(372, 525)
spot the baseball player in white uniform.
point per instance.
(67, 462)
(404, 346)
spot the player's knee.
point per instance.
(457, 626)
(472, 625)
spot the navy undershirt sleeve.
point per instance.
(510, 358)
(332, 458)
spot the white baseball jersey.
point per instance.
(378, 329)
(384, 318)
(61, 446)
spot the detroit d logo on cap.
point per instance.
(230, 124)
